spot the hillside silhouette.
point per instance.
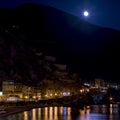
(88, 49)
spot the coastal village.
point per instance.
(55, 66)
(57, 84)
(29, 75)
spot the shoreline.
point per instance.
(7, 109)
(13, 108)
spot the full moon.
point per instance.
(86, 13)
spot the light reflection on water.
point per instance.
(95, 112)
(25, 115)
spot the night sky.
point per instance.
(102, 12)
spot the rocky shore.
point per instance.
(8, 110)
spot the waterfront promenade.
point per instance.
(15, 107)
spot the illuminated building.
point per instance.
(31, 93)
(1, 96)
(11, 88)
(99, 83)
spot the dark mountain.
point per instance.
(90, 50)
(18, 61)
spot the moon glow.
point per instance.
(86, 13)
